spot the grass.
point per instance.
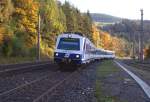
(100, 96)
(105, 68)
(103, 23)
(14, 60)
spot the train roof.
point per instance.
(70, 36)
(108, 51)
(77, 33)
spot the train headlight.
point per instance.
(77, 56)
(56, 54)
(69, 35)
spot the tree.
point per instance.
(26, 18)
(96, 36)
(87, 25)
(6, 9)
(53, 22)
(19, 24)
(147, 52)
(71, 20)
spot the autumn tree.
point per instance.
(87, 25)
(6, 9)
(96, 36)
(19, 25)
(26, 18)
(147, 52)
(105, 40)
(6, 31)
(53, 22)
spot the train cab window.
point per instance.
(69, 44)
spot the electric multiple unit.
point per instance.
(72, 48)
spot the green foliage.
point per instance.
(17, 46)
(6, 47)
(87, 25)
(105, 69)
(17, 59)
(13, 46)
(68, 11)
(76, 21)
(32, 51)
(52, 20)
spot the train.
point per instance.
(76, 49)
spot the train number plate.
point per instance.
(64, 60)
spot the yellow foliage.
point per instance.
(2, 31)
(147, 52)
(104, 40)
(28, 19)
(46, 50)
(20, 11)
(95, 36)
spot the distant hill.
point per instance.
(98, 17)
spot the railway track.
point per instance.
(45, 96)
(143, 66)
(140, 80)
(20, 78)
(42, 83)
(24, 66)
(35, 90)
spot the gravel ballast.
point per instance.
(80, 88)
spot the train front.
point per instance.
(68, 50)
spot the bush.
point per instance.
(6, 46)
(32, 52)
(17, 47)
(147, 53)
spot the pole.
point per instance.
(134, 45)
(141, 37)
(38, 42)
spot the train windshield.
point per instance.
(69, 44)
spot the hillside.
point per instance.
(98, 17)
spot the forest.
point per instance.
(130, 30)
(19, 28)
(19, 25)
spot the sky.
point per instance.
(121, 8)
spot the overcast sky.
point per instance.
(121, 8)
